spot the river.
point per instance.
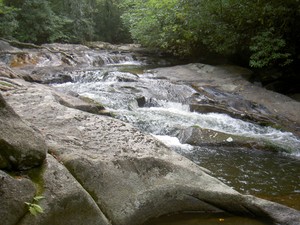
(128, 88)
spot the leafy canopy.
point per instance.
(71, 21)
(266, 32)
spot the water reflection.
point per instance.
(205, 219)
(264, 174)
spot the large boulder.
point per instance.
(64, 200)
(21, 145)
(14, 192)
(131, 176)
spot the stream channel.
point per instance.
(128, 88)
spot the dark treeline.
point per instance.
(262, 34)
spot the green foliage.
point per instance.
(36, 22)
(8, 23)
(108, 24)
(75, 20)
(268, 50)
(72, 21)
(265, 32)
(34, 208)
(158, 24)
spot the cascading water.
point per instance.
(160, 107)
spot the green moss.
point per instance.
(36, 176)
(5, 84)
(114, 115)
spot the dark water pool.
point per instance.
(268, 175)
(205, 219)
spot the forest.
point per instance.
(261, 34)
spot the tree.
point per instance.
(264, 32)
(8, 22)
(76, 17)
(159, 24)
(71, 21)
(108, 24)
(37, 22)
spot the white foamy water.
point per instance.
(173, 142)
(164, 113)
(171, 117)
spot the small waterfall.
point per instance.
(36, 59)
(86, 59)
(167, 120)
(49, 60)
(104, 58)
